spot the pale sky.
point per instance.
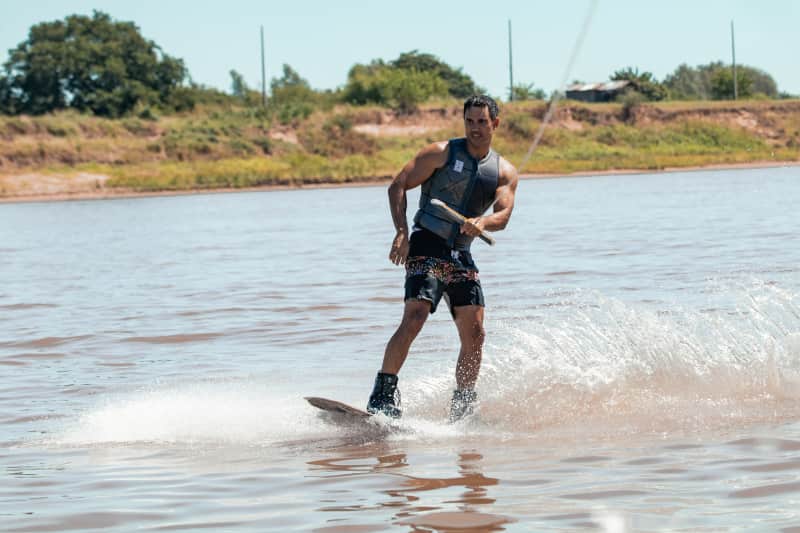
(323, 39)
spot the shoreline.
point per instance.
(111, 194)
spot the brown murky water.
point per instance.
(642, 368)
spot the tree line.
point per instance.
(713, 81)
(98, 65)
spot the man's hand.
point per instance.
(473, 226)
(399, 251)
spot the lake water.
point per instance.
(641, 371)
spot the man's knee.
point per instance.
(415, 315)
(470, 326)
(476, 334)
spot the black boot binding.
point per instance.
(385, 397)
(462, 404)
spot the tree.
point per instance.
(400, 88)
(292, 97)
(763, 83)
(705, 82)
(239, 87)
(632, 74)
(406, 89)
(362, 87)
(527, 92)
(722, 87)
(644, 83)
(242, 92)
(406, 82)
(689, 83)
(459, 85)
(291, 79)
(91, 64)
(6, 102)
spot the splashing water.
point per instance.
(603, 368)
(210, 412)
(616, 368)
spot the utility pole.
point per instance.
(510, 66)
(263, 72)
(733, 54)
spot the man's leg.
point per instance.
(385, 397)
(469, 321)
(414, 316)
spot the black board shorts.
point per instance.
(433, 271)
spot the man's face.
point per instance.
(478, 125)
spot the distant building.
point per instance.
(597, 92)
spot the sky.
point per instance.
(322, 39)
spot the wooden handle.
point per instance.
(457, 217)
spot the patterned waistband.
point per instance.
(444, 270)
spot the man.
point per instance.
(469, 176)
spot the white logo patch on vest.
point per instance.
(458, 166)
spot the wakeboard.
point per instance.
(338, 408)
(341, 414)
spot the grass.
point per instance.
(238, 147)
(689, 140)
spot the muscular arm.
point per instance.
(504, 203)
(416, 172)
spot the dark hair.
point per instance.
(481, 100)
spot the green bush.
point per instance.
(722, 86)
(401, 89)
(457, 84)
(292, 99)
(631, 101)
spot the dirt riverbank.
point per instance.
(51, 190)
(70, 156)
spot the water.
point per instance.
(641, 372)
